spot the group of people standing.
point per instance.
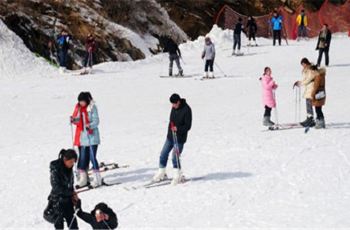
(63, 44)
(314, 83)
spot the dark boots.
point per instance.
(309, 122)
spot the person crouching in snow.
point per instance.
(87, 138)
(268, 86)
(101, 217)
(208, 55)
(180, 123)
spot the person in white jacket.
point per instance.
(208, 55)
(308, 83)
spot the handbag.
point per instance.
(52, 212)
(320, 95)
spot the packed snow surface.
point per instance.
(252, 178)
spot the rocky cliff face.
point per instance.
(125, 30)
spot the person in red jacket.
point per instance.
(90, 46)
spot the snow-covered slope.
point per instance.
(16, 60)
(252, 178)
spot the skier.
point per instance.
(302, 25)
(308, 82)
(63, 41)
(174, 55)
(90, 46)
(319, 95)
(276, 23)
(101, 217)
(239, 28)
(268, 86)
(323, 44)
(252, 29)
(62, 197)
(87, 138)
(181, 117)
(208, 55)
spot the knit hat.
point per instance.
(175, 98)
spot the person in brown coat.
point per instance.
(319, 95)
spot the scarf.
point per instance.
(83, 115)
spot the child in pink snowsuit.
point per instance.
(268, 86)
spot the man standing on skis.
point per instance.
(90, 46)
(239, 28)
(63, 41)
(174, 55)
(180, 123)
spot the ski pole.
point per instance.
(176, 146)
(295, 105)
(220, 69)
(276, 112)
(106, 224)
(299, 104)
(182, 60)
(74, 217)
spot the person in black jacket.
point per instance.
(101, 217)
(252, 29)
(323, 43)
(62, 183)
(180, 122)
(239, 28)
(174, 55)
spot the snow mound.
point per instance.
(16, 59)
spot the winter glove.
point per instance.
(78, 204)
(74, 119)
(296, 84)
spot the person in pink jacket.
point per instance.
(268, 87)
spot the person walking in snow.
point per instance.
(87, 138)
(101, 217)
(323, 44)
(63, 41)
(90, 46)
(239, 28)
(269, 101)
(174, 55)
(276, 23)
(252, 30)
(208, 55)
(180, 122)
(318, 95)
(302, 23)
(308, 76)
(62, 197)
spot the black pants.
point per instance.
(320, 54)
(277, 35)
(88, 60)
(251, 35)
(236, 41)
(68, 215)
(267, 111)
(209, 65)
(319, 113)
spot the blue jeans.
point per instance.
(62, 56)
(85, 156)
(164, 155)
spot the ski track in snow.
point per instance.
(252, 179)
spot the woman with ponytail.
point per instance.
(62, 197)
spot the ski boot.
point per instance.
(320, 124)
(309, 122)
(170, 73)
(206, 76)
(267, 122)
(181, 73)
(178, 177)
(83, 178)
(211, 75)
(160, 175)
(96, 179)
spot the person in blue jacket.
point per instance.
(276, 24)
(63, 41)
